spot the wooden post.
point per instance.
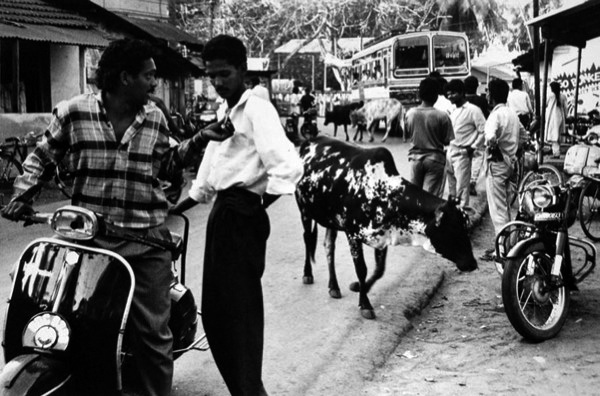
(547, 61)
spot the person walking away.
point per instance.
(471, 85)
(468, 124)
(556, 115)
(245, 173)
(519, 101)
(441, 103)
(502, 132)
(431, 130)
(119, 144)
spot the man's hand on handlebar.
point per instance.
(16, 210)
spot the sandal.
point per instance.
(489, 255)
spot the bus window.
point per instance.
(411, 56)
(450, 54)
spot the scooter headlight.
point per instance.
(543, 197)
(48, 331)
(73, 222)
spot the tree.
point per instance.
(264, 25)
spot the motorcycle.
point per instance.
(539, 261)
(65, 322)
(291, 128)
(309, 128)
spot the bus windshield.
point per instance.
(411, 56)
(450, 54)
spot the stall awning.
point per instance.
(163, 30)
(573, 25)
(53, 34)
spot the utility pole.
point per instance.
(536, 74)
(212, 17)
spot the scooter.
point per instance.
(66, 318)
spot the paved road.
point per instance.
(314, 345)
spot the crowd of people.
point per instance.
(460, 137)
(463, 139)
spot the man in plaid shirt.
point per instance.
(118, 143)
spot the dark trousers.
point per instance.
(232, 300)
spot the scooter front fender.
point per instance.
(33, 375)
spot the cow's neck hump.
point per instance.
(413, 200)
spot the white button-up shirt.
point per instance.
(468, 123)
(258, 157)
(504, 128)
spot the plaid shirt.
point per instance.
(119, 180)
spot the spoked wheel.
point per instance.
(535, 306)
(589, 210)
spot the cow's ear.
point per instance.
(454, 200)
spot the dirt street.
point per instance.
(463, 344)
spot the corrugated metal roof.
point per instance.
(40, 12)
(54, 34)
(573, 25)
(162, 30)
(40, 20)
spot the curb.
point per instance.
(369, 344)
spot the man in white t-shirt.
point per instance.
(519, 101)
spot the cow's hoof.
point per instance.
(367, 313)
(335, 293)
(371, 140)
(355, 287)
(307, 280)
(383, 140)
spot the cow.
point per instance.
(359, 191)
(377, 109)
(340, 115)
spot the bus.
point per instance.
(392, 66)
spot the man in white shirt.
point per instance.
(519, 101)
(502, 131)
(468, 123)
(246, 173)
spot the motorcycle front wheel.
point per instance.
(535, 308)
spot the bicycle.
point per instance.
(582, 160)
(525, 159)
(13, 152)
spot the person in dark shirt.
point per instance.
(471, 84)
(307, 101)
